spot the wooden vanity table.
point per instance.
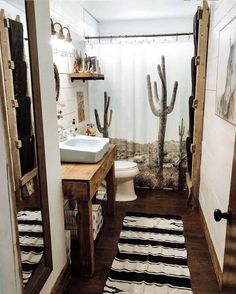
(80, 181)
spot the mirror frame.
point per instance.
(45, 267)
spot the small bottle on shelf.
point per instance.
(73, 130)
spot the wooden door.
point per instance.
(229, 269)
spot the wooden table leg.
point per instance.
(87, 259)
(111, 191)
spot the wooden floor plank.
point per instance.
(149, 201)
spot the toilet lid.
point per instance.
(124, 165)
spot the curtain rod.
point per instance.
(138, 36)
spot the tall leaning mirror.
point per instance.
(21, 98)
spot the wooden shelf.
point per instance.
(85, 76)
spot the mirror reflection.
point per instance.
(22, 108)
(29, 214)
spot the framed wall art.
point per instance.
(80, 103)
(226, 73)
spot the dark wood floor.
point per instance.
(149, 201)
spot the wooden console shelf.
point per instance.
(85, 76)
(80, 181)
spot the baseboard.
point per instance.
(214, 259)
(63, 279)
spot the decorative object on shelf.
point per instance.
(98, 68)
(164, 109)
(226, 80)
(57, 80)
(86, 68)
(90, 64)
(106, 121)
(78, 62)
(93, 65)
(90, 130)
(87, 63)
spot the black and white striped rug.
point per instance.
(151, 257)
(31, 240)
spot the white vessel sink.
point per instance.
(83, 149)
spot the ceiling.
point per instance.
(115, 10)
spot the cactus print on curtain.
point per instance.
(134, 127)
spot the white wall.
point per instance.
(218, 137)
(71, 13)
(49, 109)
(9, 282)
(67, 102)
(158, 26)
(80, 23)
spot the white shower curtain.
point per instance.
(125, 66)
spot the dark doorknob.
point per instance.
(218, 215)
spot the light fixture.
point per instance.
(61, 39)
(68, 35)
(53, 31)
(59, 34)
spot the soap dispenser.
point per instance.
(73, 130)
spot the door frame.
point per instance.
(229, 267)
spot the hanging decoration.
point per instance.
(57, 81)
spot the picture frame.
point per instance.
(80, 105)
(226, 74)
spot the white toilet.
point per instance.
(125, 171)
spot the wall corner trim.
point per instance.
(214, 259)
(62, 280)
